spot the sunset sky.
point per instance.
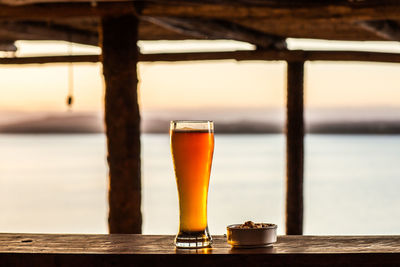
(196, 85)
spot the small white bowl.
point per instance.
(251, 237)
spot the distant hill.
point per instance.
(225, 123)
(237, 127)
(54, 124)
(254, 121)
(251, 127)
(364, 127)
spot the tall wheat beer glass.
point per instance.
(192, 147)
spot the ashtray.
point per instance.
(251, 235)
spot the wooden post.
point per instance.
(120, 56)
(294, 148)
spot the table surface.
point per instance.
(163, 244)
(57, 249)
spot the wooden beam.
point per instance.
(122, 117)
(67, 10)
(44, 31)
(29, 2)
(219, 29)
(291, 55)
(57, 250)
(50, 59)
(387, 29)
(294, 148)
(342, 10)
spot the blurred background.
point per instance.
(53, 170)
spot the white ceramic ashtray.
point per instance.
(251, 235)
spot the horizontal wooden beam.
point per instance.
(43, 31)
(66, 10)
(219, 29)
(289, 55)
(50, 59)
(29, 2)
(343, 10)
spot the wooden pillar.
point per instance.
(294, 148)
(119, 57)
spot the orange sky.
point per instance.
(198, 84)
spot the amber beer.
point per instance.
(192, 146)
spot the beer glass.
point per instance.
(192, 147)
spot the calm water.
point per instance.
(58, 183)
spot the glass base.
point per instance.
(197, 239)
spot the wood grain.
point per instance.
(29, 2)
(157, 250)
(163, 244)
(333, 20)
(347, 10)
(44, 31)
(66, 10)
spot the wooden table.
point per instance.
(157, 250)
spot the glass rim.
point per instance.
(192, 121)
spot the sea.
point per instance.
(58, 183)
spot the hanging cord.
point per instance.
(70, 97)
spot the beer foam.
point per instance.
(188, 129)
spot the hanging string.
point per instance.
(70, 97)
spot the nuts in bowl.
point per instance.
(250, 234)
(252, 225)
